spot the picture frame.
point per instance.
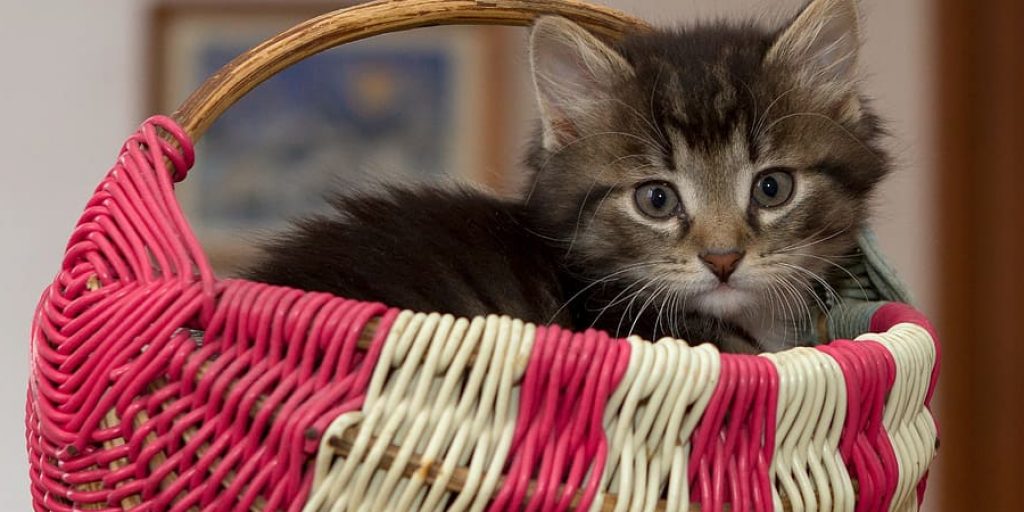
(421, 106)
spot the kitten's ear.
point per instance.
(824, 38)
(572, 71)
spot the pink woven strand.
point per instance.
(606, 374)
(870, 373)
(54, 388)
(865, 448)
(880, 442)
(559, 437)
(272, 460)
(543, 398)
(733, 443)
(113, 343)
(892, 314)
(707, 434)
(553, 459)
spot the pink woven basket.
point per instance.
(156, 386)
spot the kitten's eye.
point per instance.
(773, 188)
(657, 200)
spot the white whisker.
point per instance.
(606, 278)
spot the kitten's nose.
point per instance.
(722, 263)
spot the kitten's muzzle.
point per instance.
(722, 263)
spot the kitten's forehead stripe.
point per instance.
(705, 94)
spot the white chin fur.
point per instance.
(724, 302)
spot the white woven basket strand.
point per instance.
(910, 426)
(449, 412)
(413, 440)
(426, 398)
(811, 412)
(654, 410)
(407, 349)
(495, 416)
(400, 405)
(331, 491)
(503, 428)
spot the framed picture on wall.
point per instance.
(420, 106)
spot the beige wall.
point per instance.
(69, 85)
(70, 91)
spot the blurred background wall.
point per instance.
(74, 85)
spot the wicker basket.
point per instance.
(156, 386)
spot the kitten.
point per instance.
(703, 183)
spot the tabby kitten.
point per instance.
(702, 183)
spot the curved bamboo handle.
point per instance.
(250, 69)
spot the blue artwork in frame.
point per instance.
(322, 123)
(407, 107)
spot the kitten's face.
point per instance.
(727, 168)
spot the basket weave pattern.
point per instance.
(157, 387)
(127, 406)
